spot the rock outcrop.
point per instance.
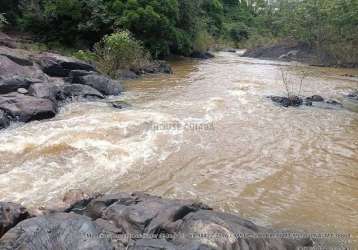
(141, 221)
(10, 215)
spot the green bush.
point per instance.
(119, 50)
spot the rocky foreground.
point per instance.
(34, 85)
(133, 221)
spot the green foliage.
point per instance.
(119, 50)
(164, 26)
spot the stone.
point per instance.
(44, 90)
(202, 55)
(293, 101)
(56, 231)
(315, 98)
(120, 105)
(26, 108)
(4, 120)
(60, 66)
(22, 91)
(10, 215)
(80, 90)
(103, 84)
(12, 84)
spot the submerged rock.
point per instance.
(141, 221)
(26, 108)
(315, 98)
(10, 215)
(202, 55)
(293, 101)
(120, 105)
(4, 120)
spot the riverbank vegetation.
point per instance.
(165, 27)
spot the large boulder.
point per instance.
(9, 68)
(8, 85)
(202, 55)
(56, 231)
(103, 84)
(44, 90)
(4, 120)
(80, 90)
(10, 215)
(60, 66)
(25, 108)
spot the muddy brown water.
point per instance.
(206, 132)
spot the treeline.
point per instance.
(184, 26)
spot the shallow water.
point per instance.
(206, 132)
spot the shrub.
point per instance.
(119, 50)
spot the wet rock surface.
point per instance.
(24, 108)
(202, 55)
(10, 215)
(312, 101)
(141, 221)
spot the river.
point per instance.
(207, 132)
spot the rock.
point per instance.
(10, 215)
(140, 221)
(8, 85)
(202, 55)
(75, 75)
(18, 56)
(333, 102)
(44, 90)
(294, 101)
(61, 66)
(56, 231)
(4, 121)
(22, 91)
(26, 108)
(353, 96)
(9, 69)
(103, 84)
(126, 75)
(158, 67)
(315, 98)
(230, 50)
(80, 90)
(120, 105)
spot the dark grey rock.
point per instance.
(333, 102)
(202, 55)
(26, 108)
(75, 75)
(10, 215)
(12, 84)
(103, 84)
(315, 98)
(293, 101)
(353, 96)
(80, 90)
(61, 66)
(44, 90)
(56, 231)
(141, 221)
(126, 75)
(120, 105)
(157, 66)
(4, 121)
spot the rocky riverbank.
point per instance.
(296, 51)
(34, 85)
(133, 221)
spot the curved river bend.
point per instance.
(207, 132)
